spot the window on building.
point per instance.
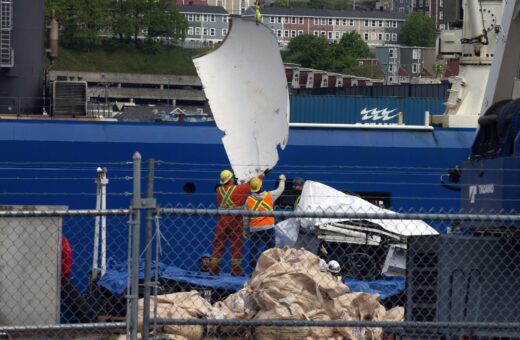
(331, 21)
(212, 18)
(415, 55)
(224, 31)
(224, 19)
(197, 30)
(365, 36)
(380, 23)
(367, 23)
(337, 35)
(293, 20)
(279, 20)
(442, 26)
(351, 22)
(287, 20)
(339, 81)
(394, 24)
(415, 68)
(323, 34)
(300, 32)
(387, 36)
(380, 36)
(337, 22)
(325, 81)
(440, 15)
(286, 33)
(279, 33)
(344, 22)
(394, 36)
(190, 17)
(441, 3)
(390, 67)
(220, 3)
(401, 9)
(212, 32)
(316, 21)
(329, 34)
(323, 21)
(392, 52)
(272, 20)
(204, 31)
(316, 33)
(197, 17)
(353, 82)
(293, 34)
(374, 23)
(391, 80)
(300, 20)
(205, 18)
(190, 30)
(426, 2)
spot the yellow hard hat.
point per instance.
(256, 184)
(225, 176)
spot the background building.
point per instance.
(403, 64)
(206, 24)
(399, 6)
(375, 27)
(443, 12)
(233, 7)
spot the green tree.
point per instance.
(326, 4)
(343, 4)
(82, 21)
(418, 30)
(353, 44)
(316, 52)
(308, 51)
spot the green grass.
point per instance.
(128, 58)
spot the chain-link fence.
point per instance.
(54, 262)
(320, 265)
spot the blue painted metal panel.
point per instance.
(54, 163)
(362, 110)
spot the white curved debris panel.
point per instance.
(244, 81)
(320, 197)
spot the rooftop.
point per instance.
(201, 9)
(311, 12)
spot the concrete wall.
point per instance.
(30, 260)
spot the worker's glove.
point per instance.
(282, 178)
(267, 171)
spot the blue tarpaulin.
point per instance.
(387, 287)
(115, 280)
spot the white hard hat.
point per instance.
(334, 267)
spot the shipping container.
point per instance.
(401, 91)
(363, 110)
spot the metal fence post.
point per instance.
(148, 254)
(136, 208)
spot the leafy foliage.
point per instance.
(317, 4)
(419, 30)
(316, 52)
(84, 22)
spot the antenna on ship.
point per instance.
(100, 223)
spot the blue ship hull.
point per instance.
(54, 163)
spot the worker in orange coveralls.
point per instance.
(230, 196)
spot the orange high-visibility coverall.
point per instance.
(230, 227)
